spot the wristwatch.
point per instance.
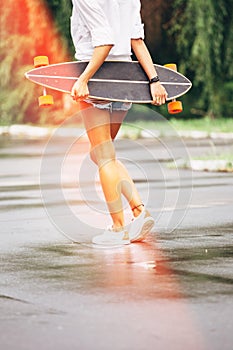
(154, 80)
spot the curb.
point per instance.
(196, 134)
(34, 132)
(211, 165)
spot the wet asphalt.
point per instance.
(173, 291)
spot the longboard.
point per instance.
(123, 81)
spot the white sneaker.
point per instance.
(112, 238)
(141, 226)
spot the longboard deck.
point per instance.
(114, 81)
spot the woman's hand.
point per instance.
(80, 90)
(158, 93)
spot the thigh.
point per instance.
(97, 125)
(117, 118)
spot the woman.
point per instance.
(108, 30)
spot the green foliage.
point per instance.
(23, 36)
(61, 12)
(203, 38)
(196, 34)
(15, 94)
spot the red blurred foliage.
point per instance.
(32, 19)
(28, 30)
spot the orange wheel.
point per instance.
(175, 107)
(40, 61)
(172, 66)
(46, 101)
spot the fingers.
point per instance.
(79, 97)
(159, 100)
(159, 94)
(76, 96)
(79, 93)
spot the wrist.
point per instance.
(154, 80)
(83, 78)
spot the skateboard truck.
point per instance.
(174, 107)
(45, 100)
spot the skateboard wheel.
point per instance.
(175, 107)
(46, 101)
(172, 66)
(40, 61)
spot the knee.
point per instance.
(92, 156)
(102, 153)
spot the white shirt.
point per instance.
(105, 22)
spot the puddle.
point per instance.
(139, 270)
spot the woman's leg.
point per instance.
(128, 187)
(143, 223)
(97, 124)
(114, 177)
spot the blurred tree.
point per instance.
(203, 34)
(61, 11)
(156, 15)
(24, 35)
(197, 35)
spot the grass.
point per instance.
(228, 157)
(174, 126)
(204, 124)
(208, 162)
(147, 118)
(140, 118)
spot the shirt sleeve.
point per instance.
(95, 20)
(138, 26)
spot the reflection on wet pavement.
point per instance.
(173, 292)
(140, 283)
(139, 270)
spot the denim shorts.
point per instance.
(110, 105)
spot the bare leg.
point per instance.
(128, 187)
(97, 124)
(115, 180)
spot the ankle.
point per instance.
(137, 209)
(118, 228)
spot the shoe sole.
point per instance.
(105, 241)
(145, 230)
(107, 244)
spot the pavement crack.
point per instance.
(8, 297)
